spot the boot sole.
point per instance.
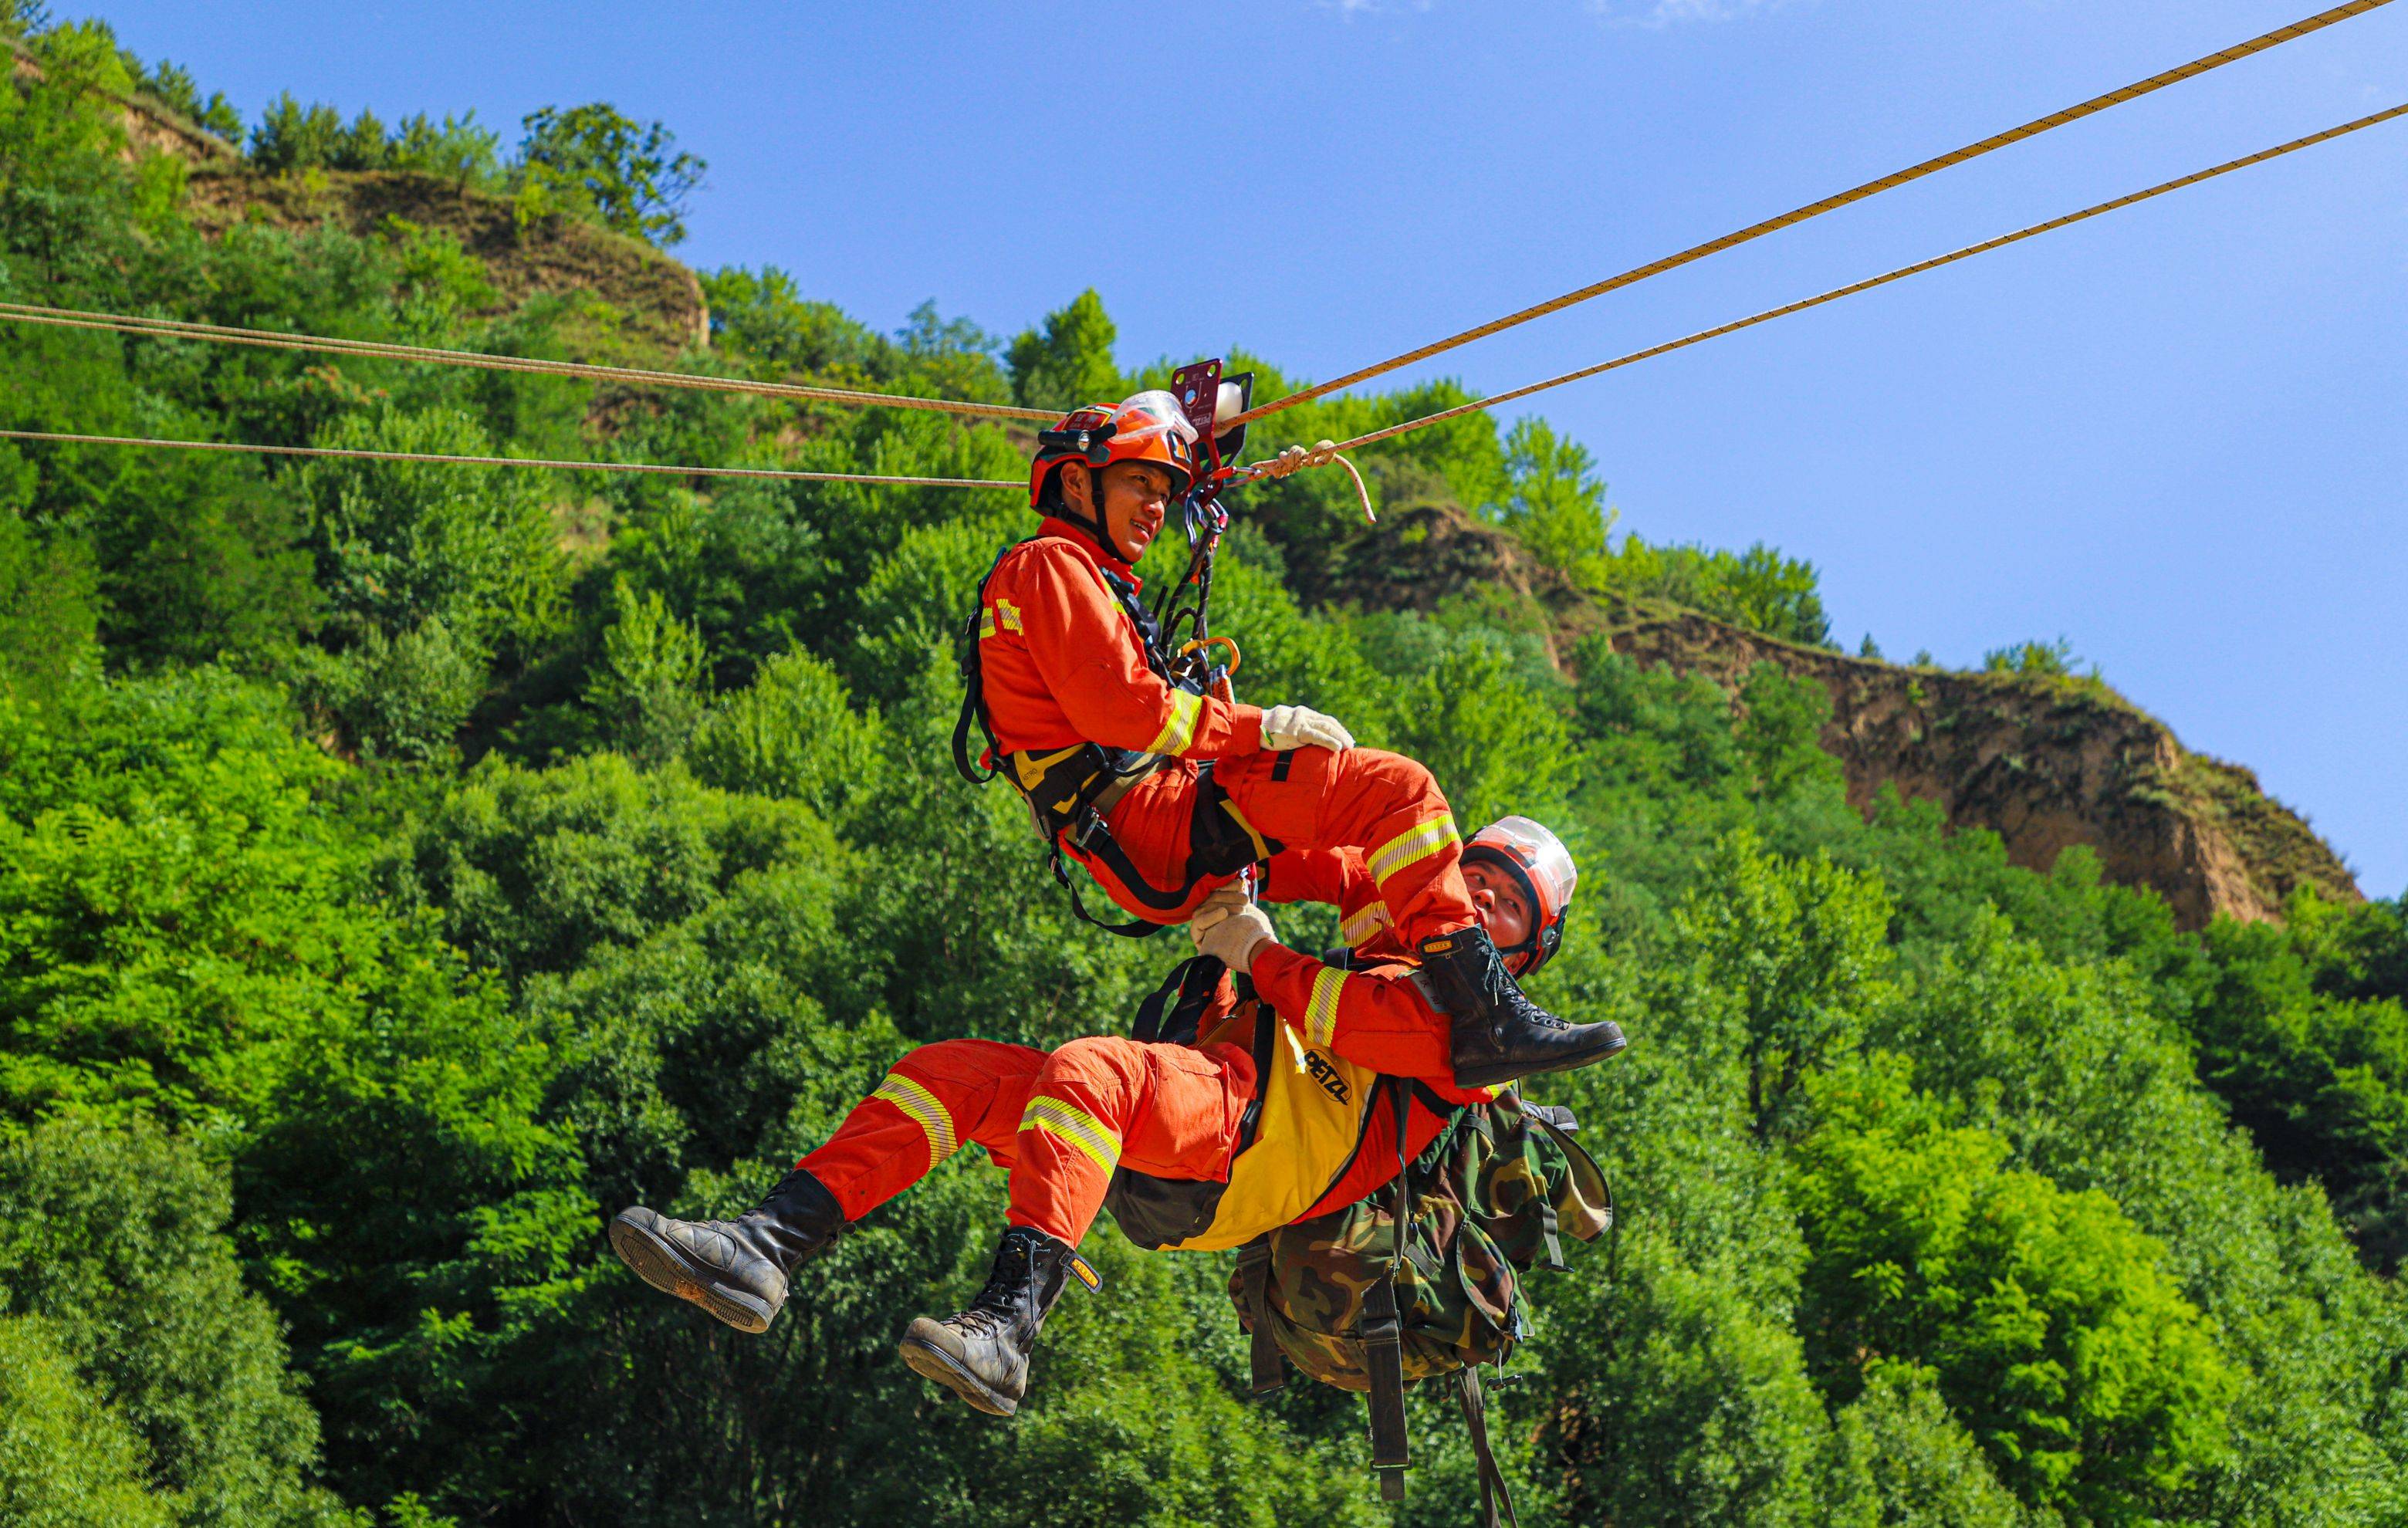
(1492, 1074)
(665, 1266)
(931, 1361)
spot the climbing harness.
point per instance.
(1829, 204)
(1069, 790)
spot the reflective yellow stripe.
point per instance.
(1321, 1008)
(986, 625)
(922, 1106)
(1180, 731)
(1010, 615)
(1366, 922)
(1075, 1125)
(1413, 846)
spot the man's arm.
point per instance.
(1376, 1019)
(1092, 661)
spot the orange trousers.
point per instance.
(1058, 1123)
(1383, 804)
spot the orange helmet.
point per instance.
(1147, 427)
(1539, 862)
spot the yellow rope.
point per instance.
(1813, 209)
(68, 318)
(670, 469)
(1327, 450)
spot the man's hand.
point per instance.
(1231, 929)
(1293, 726)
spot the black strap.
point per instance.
(973, 672)
(1492, 1489)
(1253, 1286)
(1384, 1334)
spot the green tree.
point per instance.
(48, 611)
(647, 696)
(2050, 1318)
(1069, 361)
(591, 162)
(66, 1459)
(1558, 503)
(113, 1239)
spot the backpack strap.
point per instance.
(1475, 1420)
(1253, 1287)
(1384, 1334)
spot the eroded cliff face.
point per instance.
(2044, 763)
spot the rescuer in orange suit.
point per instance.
(1259, 1132)
(1164, 795)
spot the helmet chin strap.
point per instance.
(1096, 524)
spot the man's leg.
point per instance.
(1383, 804)
(1165, 1109)
(935, 1098)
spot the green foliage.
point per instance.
(48, 616)
(1558, 503)
(2319, 1078)
(1759, 588)
(66, 1459)
(399, 542)
(647, 694)
(592, 162)
(1069, 361)
(792, 734)
(2047, 659)
(2049, 1318)
(1904, 1458)
(111, 1238)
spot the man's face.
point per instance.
(1503, 906)
(1136, 498)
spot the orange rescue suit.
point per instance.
(1061, 662)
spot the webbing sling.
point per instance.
(1253, 1284)
(1383, 1334)
(1475, 1420)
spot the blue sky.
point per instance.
(2175, 436)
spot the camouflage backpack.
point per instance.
(1343, 1300)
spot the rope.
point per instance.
(1296, 458)
(1329, 450)
(68, 318)
(670, 469)
(1813, 209)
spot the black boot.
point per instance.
(734, 1269)
(983, 1353)
(1500, 1035)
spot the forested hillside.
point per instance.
(403, 867)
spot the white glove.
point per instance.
(1292, 726)
(1230, 929)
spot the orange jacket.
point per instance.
(1062, 663)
